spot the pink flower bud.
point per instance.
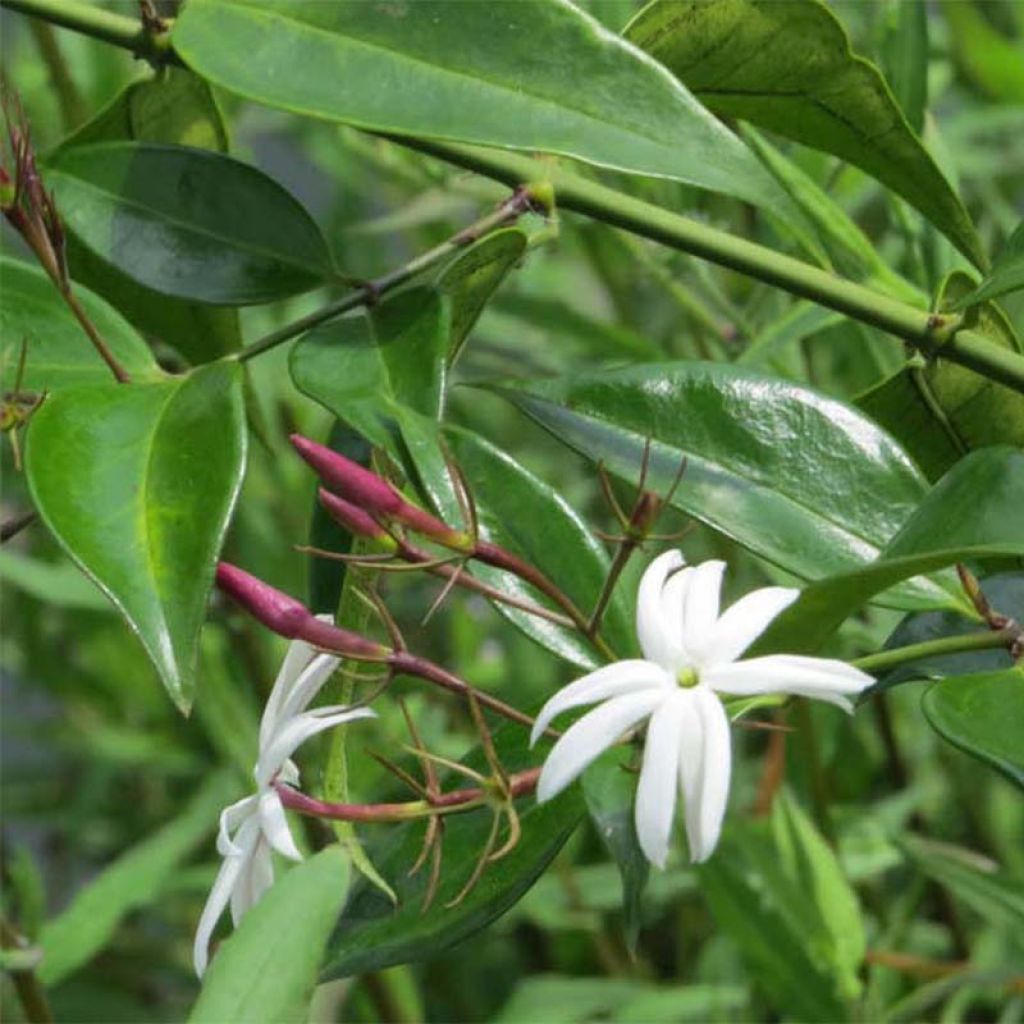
(352, 481)
(353, 519)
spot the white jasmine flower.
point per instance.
(690, 656)
(256, 825)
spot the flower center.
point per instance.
(687, 678)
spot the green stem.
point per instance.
(931, 334)
(884, 660)
(116, 29)
(371, 292)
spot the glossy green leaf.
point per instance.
(373, 933)
(510, 501)
(983, 715)
(802, 480)
(1005, 593)
(973, 512)
(975, 880)
(474, 275)
(776, 888)
(134, 880)
(137, 483)
(189, 222)
(174, 106)
(1006, 275)
(266, 971)
(609, 791)
(471, 73)
(59, 352)
(788, 67)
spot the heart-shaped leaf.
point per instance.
(59, 353)
(497, 73)
(137, 482)
(189, 222)
(802, 480)
(788, 67)
(982, 714)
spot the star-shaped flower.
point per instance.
(256, 825)
(690, 657)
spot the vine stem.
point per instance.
(933, 334)
(366, 295)
(935, 648)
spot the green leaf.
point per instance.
(802, 480)
(973, 512)
(777, 889)
(905, 50)
(58, 584)
(173, 106)
(983, 715)
(972, 878)
(373, 933)
(137, 482)
(609, 791)
(471, 73)
(510, 502)
(990, 59)
(59, 352)
(1006, 275)
(473, 277)
(134, 880)
(188, 222)
(266, 971)
(1005, 593)
(789, 68)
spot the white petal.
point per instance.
(659, 778)
(660, 638)
(230, 819)
(275, 825)
(743, 622)
(308, 685)
(691, 768)
(299, 655)
(821, 678)
(700, 607)
(609, 681)
(294, 732)
(715, 773)
(256, 878)
(221, 893)
(590, 736)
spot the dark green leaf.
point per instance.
(173, 106)
(510, 502)
(798, 478)
(972, 878)
(906, 59)
(59, 353)
(609, 791)
(373, 933)
(137, 482)
(983, 714)
(777, 889)
(188, 222)
(473, 277)
(1006, 275)
(471, 73)
(973, 512)
(134, 880)
(266, 972)
(788, 67)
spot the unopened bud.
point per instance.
(354, 519)
(645, 514)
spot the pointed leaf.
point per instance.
(788, 67)
(189, 222)
(983, 715)
(802, 480)
(471, 73)
(59, 352)
(1006, 275)
(137, 482)
(266, 971)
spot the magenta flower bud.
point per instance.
(276, 610)
(354, 519)
(352, 481)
